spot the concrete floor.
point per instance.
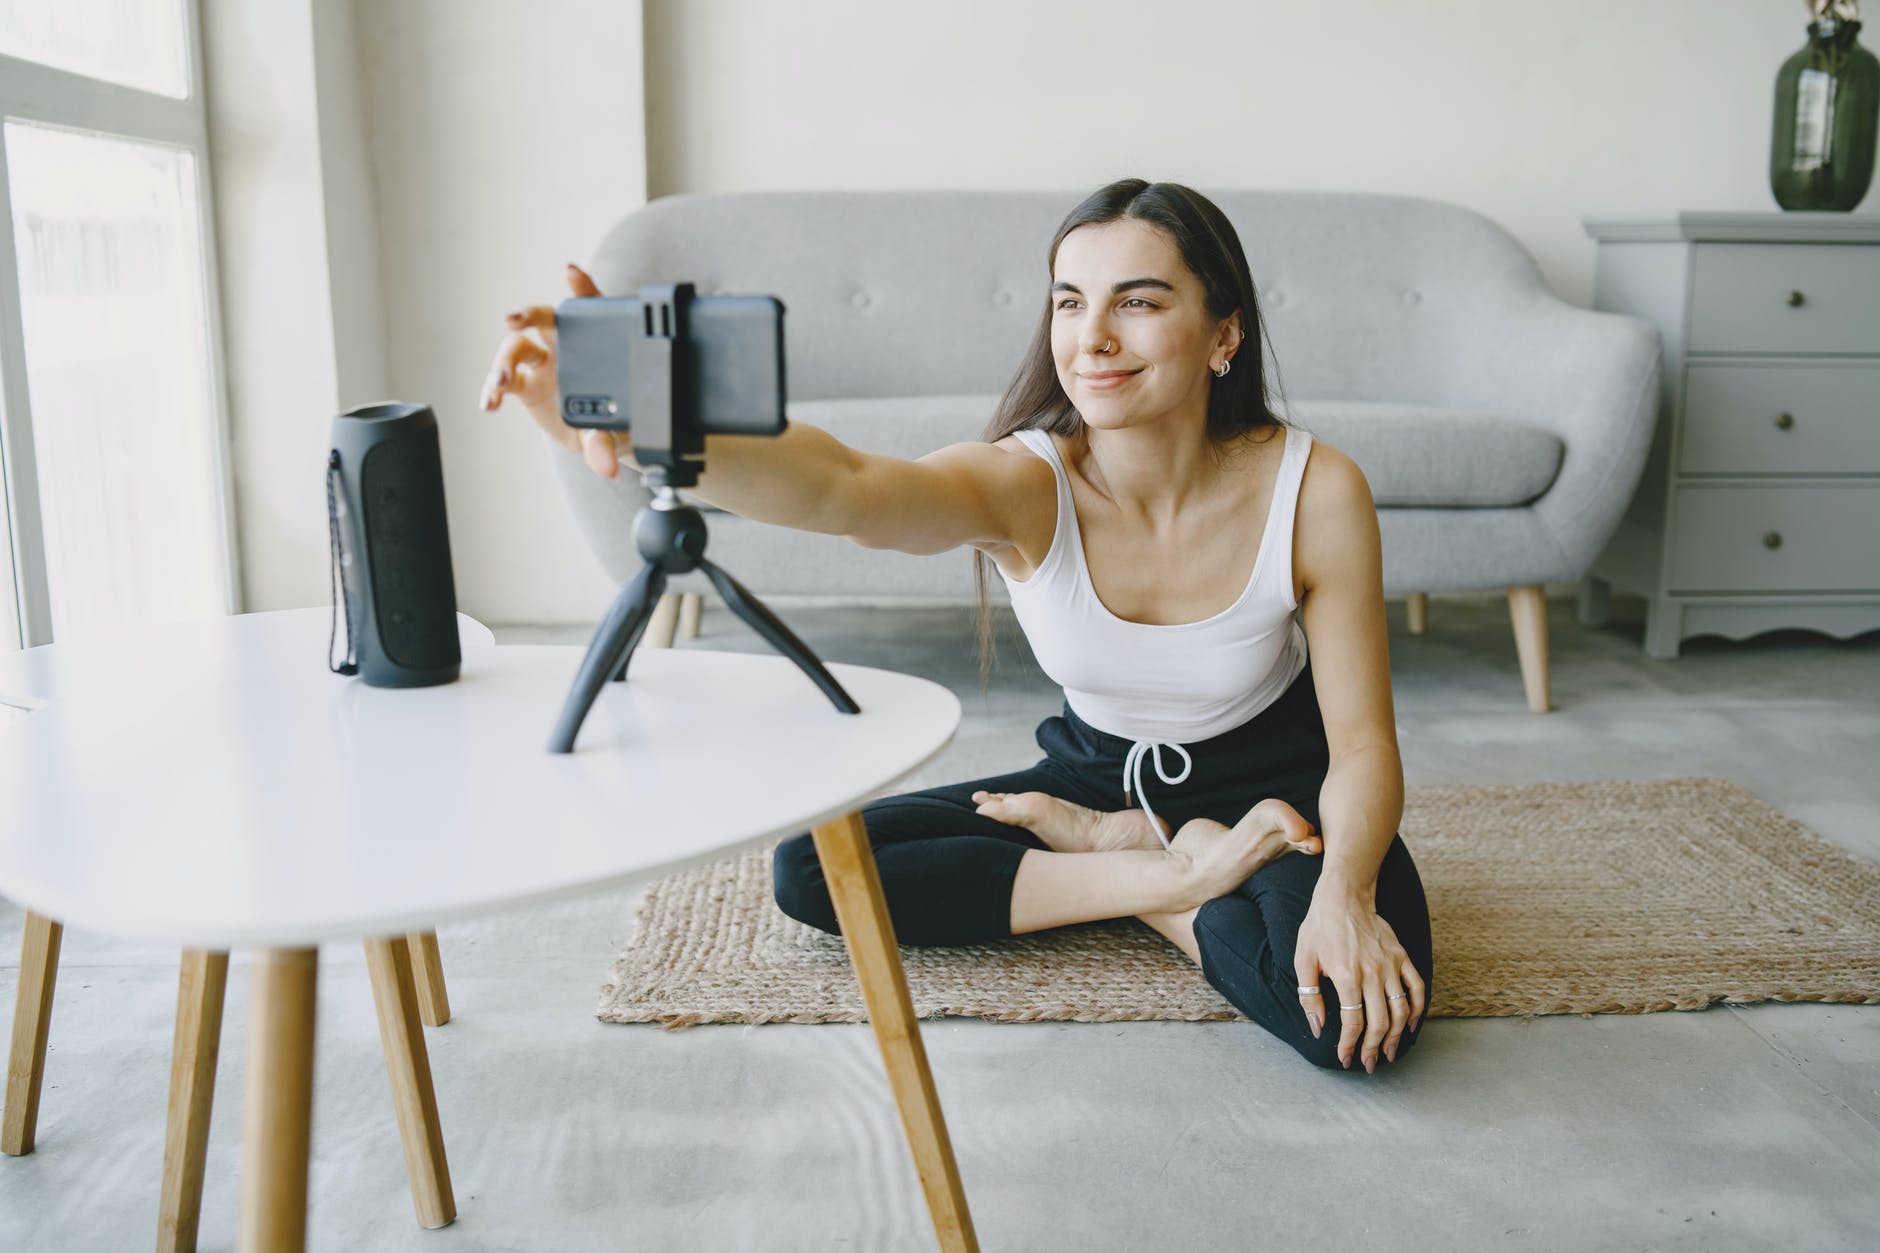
(1729, 1128)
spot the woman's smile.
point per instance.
(1108, 379)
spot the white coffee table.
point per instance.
(211, 785)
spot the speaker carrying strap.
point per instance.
(338, 591)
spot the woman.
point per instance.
(1156, 525)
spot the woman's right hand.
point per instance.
(524, 367)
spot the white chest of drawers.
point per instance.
(1760, 502)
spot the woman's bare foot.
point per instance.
(1068, 828)
(1220, 858)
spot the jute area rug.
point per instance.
(1544, 899)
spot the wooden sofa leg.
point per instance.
(690, 606)
(199, 996)
(1417, 609)
(1528, 608)
(427, 970)
(32, 1018)
(659, 627)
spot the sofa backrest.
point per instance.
(914, 293)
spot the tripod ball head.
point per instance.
(673, 536)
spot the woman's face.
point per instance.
(1124, 282)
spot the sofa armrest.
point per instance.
(1593, 379)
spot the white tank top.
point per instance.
(1163, 686)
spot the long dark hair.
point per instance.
(1238, 405)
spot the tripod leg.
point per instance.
(636, 630)
(609, 652)
(759, 618)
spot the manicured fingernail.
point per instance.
(1390, 1051)
(1370, 1065)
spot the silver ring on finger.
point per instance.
(1398, 996)
(1305, 991)
(1359, 1005)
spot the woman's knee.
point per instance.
(798, 886)
(1256, 976)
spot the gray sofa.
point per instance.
(1502, 430)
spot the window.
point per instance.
(111, 423)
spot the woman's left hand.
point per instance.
(1343, 938)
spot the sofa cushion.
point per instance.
(1419, 456)
(1415, 456)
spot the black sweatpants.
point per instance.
(947, 871)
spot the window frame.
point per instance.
(34, 92)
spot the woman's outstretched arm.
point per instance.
(804, 478)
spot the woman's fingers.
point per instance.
(515, 356)
(1351, 1018)
(1399, 1001)
(542, 317)
(579, 283)
(1311, 999)
(599, 451)
(535, 317)
(1380, 1016)
(1413, 984)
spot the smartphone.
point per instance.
(736, 353)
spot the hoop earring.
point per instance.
(1225, 367)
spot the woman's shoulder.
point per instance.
(1335, 529)
(1332, 480)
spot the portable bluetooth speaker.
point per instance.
(385, 502)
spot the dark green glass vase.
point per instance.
(1827, 100)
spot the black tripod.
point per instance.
(670, 534)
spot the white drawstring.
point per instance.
(1132, 775)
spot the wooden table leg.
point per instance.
(277, 1119)
(427, 967)
(199, 992)
(408, 1065)
(32, 1019)
(849, 869)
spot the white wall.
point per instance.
(390, 178)
(281, 176)
(1532, 113)
(506, 138)
(501, 140)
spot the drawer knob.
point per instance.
(1772, 540)
(1795, 300)
(1784, 421)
